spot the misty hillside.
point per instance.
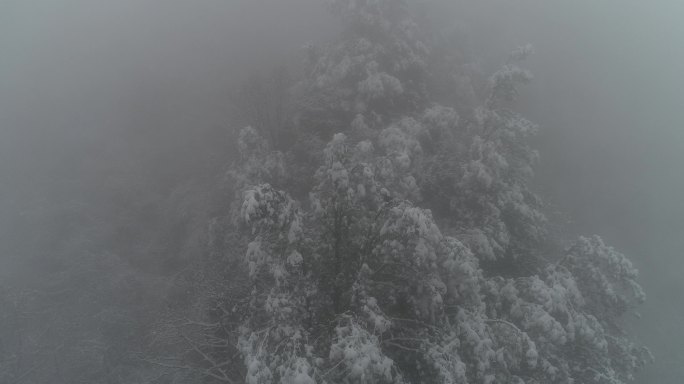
(347, 191)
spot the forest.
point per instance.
(362, 209)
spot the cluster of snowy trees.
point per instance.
(394, 238)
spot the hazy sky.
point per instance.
(609, 94)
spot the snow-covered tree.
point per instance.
(377, 68)
(404, 244)
(493, 204)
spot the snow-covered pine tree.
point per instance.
(414, 250)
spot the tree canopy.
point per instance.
(398, 239)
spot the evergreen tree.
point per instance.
(398, 240)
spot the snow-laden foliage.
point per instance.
(407, 301)
(257, 164)
(575, 338)
(415, 250)
(358, 357)
(505, 81)
(499, 215)
(257, 161)
(606, 277)
(273, 340)
(379, 68)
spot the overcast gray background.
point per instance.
(77, 75)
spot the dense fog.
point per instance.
(119, 122)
